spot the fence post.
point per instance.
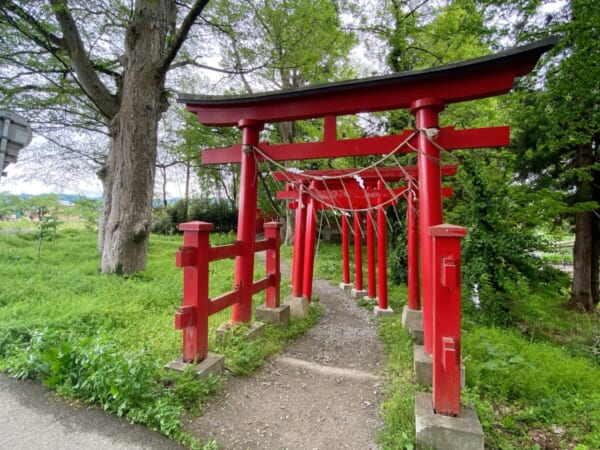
(272, 259)
(192, 317)
(446, 317)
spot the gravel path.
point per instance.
(322, 392)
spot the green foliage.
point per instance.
(398, 410)
(292, 43)
(88, 210)
(242, 356)
(499, 247)
(216, 211)
(103, 339)
(530, 385)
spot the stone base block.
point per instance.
(435, 431)
(298, 306)
(358, 293)
(410, 316)
(412, 320)
(346, 286)
(383, 312)
(212, 365)
(279, 316)
(423, 367)
(256, 330)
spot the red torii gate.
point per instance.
(425, 93)
(328, 184)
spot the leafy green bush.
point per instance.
(219, 212)
(542, 386)
(96, 370)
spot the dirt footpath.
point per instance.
(322, 392)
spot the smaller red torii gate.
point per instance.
(335, 195)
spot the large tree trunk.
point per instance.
(129, 177)
(581, 292)
(584, 290)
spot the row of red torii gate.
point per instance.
(353, 192)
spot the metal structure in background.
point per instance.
(16, 134)
(426, 93)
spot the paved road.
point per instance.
(33, 418)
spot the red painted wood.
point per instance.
(298, 251)
(412, 223)
(272, 263)
(390, 174)
(449, 138)
(371, 272)
(223, 301)
(309, 249)
(446, 317)
(192, 318)
(225, 251)
(477, 78)
(358, 274)
(382, 258)
(246, 232)
(345, 250)
(426, 112)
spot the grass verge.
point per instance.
(104, 339)
(534, 382)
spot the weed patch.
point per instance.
(103, 339)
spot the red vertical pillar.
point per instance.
(309, 249)
(414, 301)
(382, 257)
(426, 111)
(446, 318)
(246, 232)
(192, 317)
(371, 283)
(358, 252)
(345, 251)
(272, 262)
(298, 254)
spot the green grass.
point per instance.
(104, 338)
(534, 383)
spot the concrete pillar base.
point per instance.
(411, 315)
(346, 286)
(378, 312)
(423, 367)
(256, 330)
(412, 320)
(435, 431)
(357, 294)
(298, 306)
(278, 316)
(212, 365)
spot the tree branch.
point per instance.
(181, 35)
(87, 76)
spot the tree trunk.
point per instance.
(129, 177)
(581, 292)
(584, 290)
